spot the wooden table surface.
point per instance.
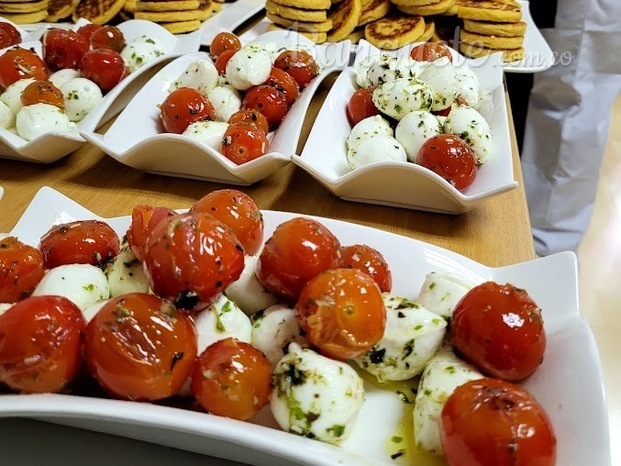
(495, 234)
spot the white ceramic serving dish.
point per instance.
(232, 15)
(50, 147)
(568, 383)
(136, 138)
(405, 184)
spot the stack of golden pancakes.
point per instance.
(308, 17)
(177, 16)
(24, 12)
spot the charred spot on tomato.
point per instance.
(187, 300)
(178, 356)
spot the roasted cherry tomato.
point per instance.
(499, 329)
(451, 158)
(250, 117)
(63, 48)
(299, 64)
(191, 258)
(285, 83)
(18, 63)
(431, 51)
(43, 92)
(370, 261)
(222, 42)
(239, 212)
(144, 220)
(298, 250)
(361, 106)
(342, 313)
(269, 101)
(233, 379)
(9, 35)
(490, 422)
(183, 107)
(41, 344)
(108, 37)
(242, 144)
(104, 67)
(222, 60)
(88, 30)
(81, 242)
(139, 347)
(21, 269)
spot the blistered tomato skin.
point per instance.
(298, 250)
(222, 42)
(139, 347)
(144, 220)
(9, 35)
(490, 422)
(63, 48)
(269, 101)
(18, 63)
(191, 258)
(183, 107)
(370, 261)
(105, 67)
(342, 313)
(499, 329)
(108, 37)
(285, 83)
(299, 64)
(40, 344)
(81, 242)
(21, 269)
(242, 144)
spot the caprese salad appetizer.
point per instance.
(55, 90)
(422, 109)
(197, 304)
(233, 103)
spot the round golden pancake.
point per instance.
(495, 29)
(488, 11)
(26, 18)
(430, 29)
(492, 42)
(394, 31)
(452, 11)
(413, 3)
(60, 9)
(182, 27)
(428, 10)
(324, 26)
(474, 51)
(131, 6)
(24, 7)
(176, 5)
(356, 35)
(97, 11)
(372, 10)
(305, 4)
(317, 37)
(296, 14)
(216, 6)
(173, 16)
(345, 16)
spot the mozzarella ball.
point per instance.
(60, 77)
(389, 68)
(84, 284)
(379, 148)
(402, 96)
(441, 78)
(34, 120)
(362, 68)
(468, 87)
(12, 96)
(226, 100)
(248, 67)
(371, 126)
(272, 48)
(315, 396)
(273, 329)
(209, 133)
(201, 75)
(414, 129)
(7, 118)
(141, 51)
(472, 127)
(126, 275)
(247, 292)
(81, 96)
(441, 291)
(92, 310)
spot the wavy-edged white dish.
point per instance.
(136, 139)
(230, 17)
(52, 146)
(405, 184)
(568, 383)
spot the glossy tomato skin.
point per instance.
(490, 422)
(144, 220)
(242, 144)
(451, 158)
(298, 250)
(139, 347)
(239, 212)
(222, 60)
(499, 329)
(108, 37)
(285, 83)
(222, 42)
(269, 101)
(88, 30)
(250, 117)
(80, 242)
(18, 63)
(9, 35)
(342, 313)
(370, 261)
(191, 258)
(104, 67)
(43, 92)
(361, 106)
(183, 107)
(40, 344)
(431, 51)
(63, 48)
(299, 64)
(21, 269)
(233, 379)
